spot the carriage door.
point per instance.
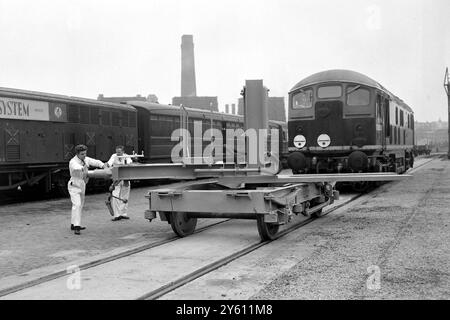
(69, 144)
(144, 138)
(12, 144)
(90, 143)
(387, 124)
(380, 128)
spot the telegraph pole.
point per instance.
(447, 90)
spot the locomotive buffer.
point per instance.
(240, 191)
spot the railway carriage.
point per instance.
(343, 121)
(38, 132)
(156, 122)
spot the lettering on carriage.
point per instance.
(14, 108)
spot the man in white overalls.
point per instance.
(120, 189)
(78, 167)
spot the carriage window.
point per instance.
(115, 119)
(357, 96)
(302, 100)
(329, 92)
(106, 120)
(73, 114)
(396, 115)
(124, 118)
(94, 116)
(379, 109)
(132, 119)
(84, 114)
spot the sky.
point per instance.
(127, 47)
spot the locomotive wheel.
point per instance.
(181, 224)
(267, 231)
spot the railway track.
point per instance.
(94, 263)
(180, 281)
(160, 292)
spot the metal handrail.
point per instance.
(184, 125)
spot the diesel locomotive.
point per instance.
(344, 121)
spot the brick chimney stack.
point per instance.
(188, 87)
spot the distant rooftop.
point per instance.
(150, 98)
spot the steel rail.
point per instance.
(59, 274)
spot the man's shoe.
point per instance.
(77, 230)
(124, 217)
(73, 228)
(115, 219)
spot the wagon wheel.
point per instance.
(360, 186)
(181, 224)
(267, 231)
(317, 214)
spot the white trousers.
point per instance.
(77, 191)
(122, 191)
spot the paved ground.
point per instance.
(392, 244)
(37, 234)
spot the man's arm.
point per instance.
(128, 160)
(94, 162)
(76, 170)
(111, 160)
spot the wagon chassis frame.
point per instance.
(219, 191)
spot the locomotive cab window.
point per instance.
(302, 100)
(329, 92)
(357, 96)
